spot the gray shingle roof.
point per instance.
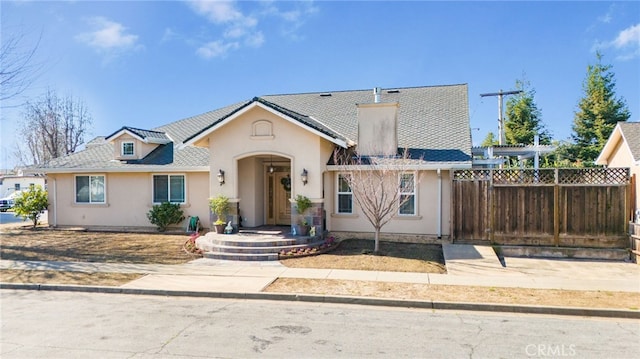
(631, 133)
(432, 117)
(432, 120)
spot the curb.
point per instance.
(369, 301)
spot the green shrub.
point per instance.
(220, 206)
(165, 214)
(31, 203)
(302, 204)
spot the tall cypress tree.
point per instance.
(598, 112)
(524, 119)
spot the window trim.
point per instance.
(133, 148)
(413, 193)
(338, 193)
(75, 188)
(169, 175)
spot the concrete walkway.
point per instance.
(467, 265)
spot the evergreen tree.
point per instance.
(598, 112)
(523, 118)
(490, 140)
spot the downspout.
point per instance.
(55, 203)
(439, 204)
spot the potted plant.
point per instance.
(302, 204)
(220, 206)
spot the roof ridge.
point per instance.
(368, 89)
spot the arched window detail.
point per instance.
(262, 130)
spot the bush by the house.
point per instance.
(31, 203)
(165, 214)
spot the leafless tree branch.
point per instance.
(375, 184)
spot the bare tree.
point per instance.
(17, 68)
(381, 185)
(53, 127)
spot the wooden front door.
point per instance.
(279, 192)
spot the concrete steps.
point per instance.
(252, 246)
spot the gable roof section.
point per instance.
(433, 120)
(629, 133)
(146, 136)
(100, 159)
(296, 118)
(431, 117)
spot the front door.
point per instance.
(282, 195)
(278, 193)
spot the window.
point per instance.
(17, 186)
(127, 149)
(168, 188)
(345, 195)
(90, 189)
(407, 194)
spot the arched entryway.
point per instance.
(264, 190)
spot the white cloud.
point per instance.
(254, 40)
(238, 28)
(608, 16)
(107, 35)
(216, 49)
(628, 37)
(626, 43)
(218, 12)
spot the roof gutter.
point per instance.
(119, 170)
(433, 166)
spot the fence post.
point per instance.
(492, 209)
(556, 208)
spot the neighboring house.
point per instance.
(623, 150)
(256, 153)
(9, 184)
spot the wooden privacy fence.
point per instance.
(546, 207)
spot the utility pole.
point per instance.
(501, 140)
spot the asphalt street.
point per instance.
(9, 217)
(37, 324)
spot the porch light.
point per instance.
(221, 177)
(304, 177)
(271, 165)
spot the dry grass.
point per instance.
(44, 244)
(392, 257)
(450, 293)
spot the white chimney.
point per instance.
(378, 129)
(376, 94)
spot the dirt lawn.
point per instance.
(45, 244)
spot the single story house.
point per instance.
(622, 149)
(262, 153)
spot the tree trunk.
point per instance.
(376, 241)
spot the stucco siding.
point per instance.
(141, 149)
(234, 141)
(251, 192)
(128, 200)
(425, 222)
(621, 156)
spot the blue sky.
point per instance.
(148, 63)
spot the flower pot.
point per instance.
(220, 228)
(303, 230)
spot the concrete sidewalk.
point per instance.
(467, 265)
